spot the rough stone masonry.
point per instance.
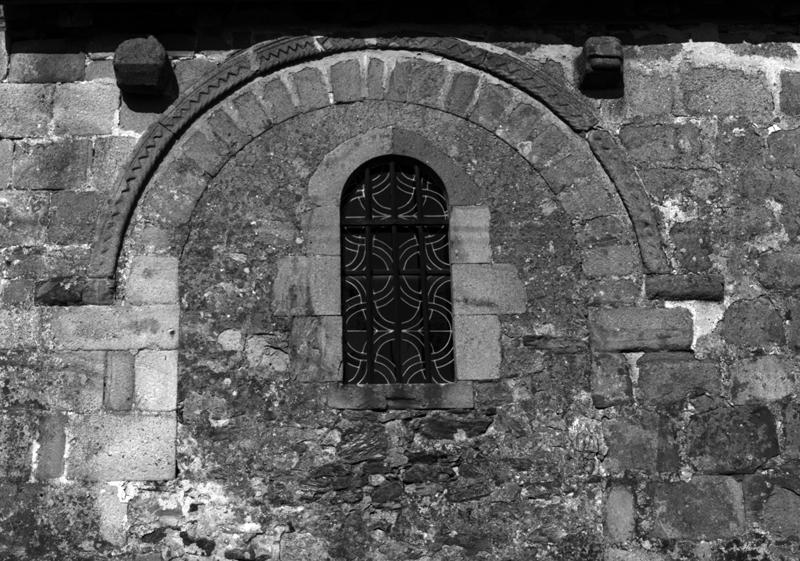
(624, 277)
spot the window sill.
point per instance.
(457, 395)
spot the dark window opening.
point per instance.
(396, 296)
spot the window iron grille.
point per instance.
(396, 292)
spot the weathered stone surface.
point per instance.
(732, 440)
(68, 381)
(462, 92)
(19, 328)
(376, 70)
(303, 286)
(752, 324)
(665, 378)
(611, 261)
(153, 280)
(402, 396)
(278, 101)
(640, 329)
(708, 507)
(25, 109)
(469, 235)
(685, 287)
(316, 348)
(724, 91)
(620, 514)
(611, 382)
(52, 441)
(763, 378)
(113, 447)
(227, 131)
(790, 92)
(780, 513)
(85, 109)
(17, 434)
(51, 166)
(252, 115)
(114, 327)
(42, 68)
(109, 154)
(791, 430)
(72, 217)
(646, 444)
(312, 92)
(156, 380)
(493, 101)
(477, 347)
(119, 381)
(22, 217)
(346, 81)
(780, 270)
(487, 289)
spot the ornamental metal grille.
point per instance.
(396, 302)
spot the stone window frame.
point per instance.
(482, 290)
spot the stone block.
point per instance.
(524, 122)
(108, 158)
(25, 109)
(620, 520)
(114, 447)
(724, 91)
(763, 378)
(266, 357)
(41, 68)
(156, 380)
(16, 292)
(780, 513)
(469, 235)
(782, 146)
(791, 430)
(178, 185)
(611, 381)
(790, 92)
(780, 270)
(17, 434)
(357, 397)
(114, 327)
(346, 81)
(477, 347)
(306, 286)
(100, 70)
(206, 154)
(141, 66)
(19, 328)
(316, 349)
(582, 200)
(312, 91)
(22, 218)
(667, 377)
(645, 444)
(72, 217)
(119, 381)
(52, 166)
(685, 287)
(224, 128)
(376, 70)
(707, 508)
(153, 280)
(322, 232)
(458, 395)
(278, 101)
(752, 324)
(60, 291)
(86, 108)
(480, 289)
(735, 439)
(614, 291)
(427, 83)
(112, 514)
(648, 94)
(189, 72)
(461, 93)
(640, 329)
(252, 115)
(492, 102)
(52, 440)
(6, 158)
(611, 261)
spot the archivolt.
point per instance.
(268, 57)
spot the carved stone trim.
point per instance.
(268, 57)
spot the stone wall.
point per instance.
(625, 309)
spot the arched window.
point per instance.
(396, 295)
